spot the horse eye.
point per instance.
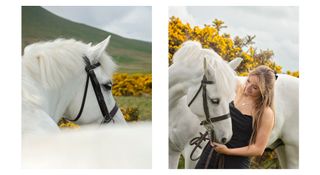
(215, 100)
(107, 86)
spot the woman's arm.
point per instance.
(262, 139)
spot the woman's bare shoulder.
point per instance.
(268, 115)
(268, 111)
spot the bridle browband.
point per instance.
(208, 122)
(107, 116)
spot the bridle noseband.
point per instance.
(107, 116)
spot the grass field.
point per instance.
(143, 103)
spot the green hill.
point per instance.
(38, 24)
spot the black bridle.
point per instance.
(208, 122)
(107, 116)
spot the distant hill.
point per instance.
(38, 24)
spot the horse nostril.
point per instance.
(223, 140)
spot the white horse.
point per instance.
(185, 76)
(286, 124)
(53, 82)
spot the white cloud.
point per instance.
(182, 13)
(127, 21)
(137, 22)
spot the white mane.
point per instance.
(53, 63)
(192, 53)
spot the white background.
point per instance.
(10, 93)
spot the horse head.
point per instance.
(209, 99)
(92, 112)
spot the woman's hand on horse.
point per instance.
(220, 148)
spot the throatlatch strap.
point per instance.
(83, 100)
(195, 96)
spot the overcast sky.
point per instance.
(130, 22)
(276, 28)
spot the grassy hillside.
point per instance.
(39, 24)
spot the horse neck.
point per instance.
(53, 101)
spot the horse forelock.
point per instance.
(188, 53)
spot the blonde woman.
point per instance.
(252, 113)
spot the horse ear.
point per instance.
(235, 63)
(96, 51)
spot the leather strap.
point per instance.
(97, 90)
(197, 144)
(204, 99)
(215, 119)
(195, 96)
(83, 100)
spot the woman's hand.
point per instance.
(220, 148)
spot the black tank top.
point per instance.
(242, 130)
(241, 127)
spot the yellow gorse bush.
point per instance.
(131, 84)
(63, 123)
(295, 73)
(130, 113)
(209, 36)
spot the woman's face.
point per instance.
(251, 86)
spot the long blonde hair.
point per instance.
(266, 82)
